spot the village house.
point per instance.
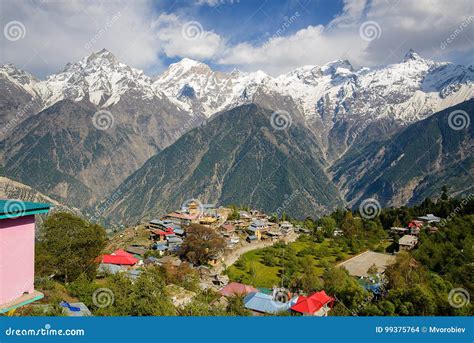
(414, 227)
(158, 235)
(244, 215)
(17, 253)
(227, 229)
(119, 257)
(261, 304)
(407, 242)
(317, 304)
(161, 248)
(400, 231)
(430, 218)
(257, 227)
(286, 228)
(180, 218)
(136, 249)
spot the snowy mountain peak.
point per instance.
(338, 64)
(100, 57)
(411, 55)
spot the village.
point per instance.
(158, 242)
(250, 230)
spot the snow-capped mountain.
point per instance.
(194, 87)
(405, 91)
(336, 101)
(99, 77)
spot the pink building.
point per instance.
(17, 253)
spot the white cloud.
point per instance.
(180, 38)
(422, 25)
(61, 32)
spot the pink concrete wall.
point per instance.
(17, 256)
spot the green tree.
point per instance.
(201, 244)
(68, 246)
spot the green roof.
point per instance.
(17, 208)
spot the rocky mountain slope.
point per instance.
(413, 164)
(10, 189)
(80, 133)
(76, 153)
(238, 157)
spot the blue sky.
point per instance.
(269, 35)
(254, 21)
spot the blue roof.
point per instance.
(264, 303)
(174, 240)
(159, 247)
(258, 222)
(17, 208)
(109, 268)
(252, 238)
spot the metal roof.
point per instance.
(264, 303)
(17, 208)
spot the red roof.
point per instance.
(120, 257)
(415, 223)
(169, 231)
(313, 303)
(235, 288)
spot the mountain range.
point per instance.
(100, 126)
